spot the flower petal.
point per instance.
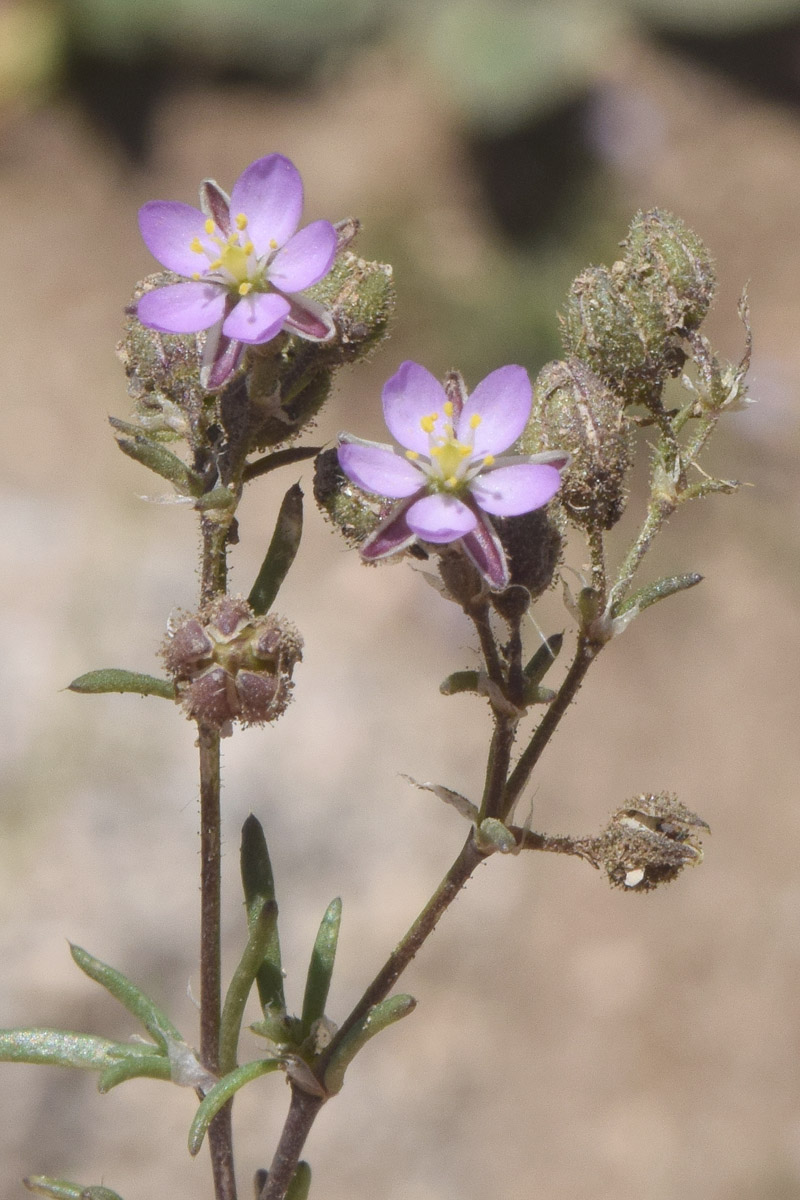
(503, 403)
(486, 551)
(509, 491)
(270, 194)
(391, 536)
(378, 469)
(257, 317)
(182, 307)
(305, 258)
(440, 518)
(169, 228)
(411, 394)
(309, 319)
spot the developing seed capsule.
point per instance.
(352, 511)
(532, 543)
(230, 665)
(671, 263)
(575, 410)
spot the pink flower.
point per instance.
(245, 264)
(449, 480)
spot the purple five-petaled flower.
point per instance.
(449, 477)
(245, 264)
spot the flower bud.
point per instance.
(532, 543)
(649, 842)
(575, 410)
(163, 369)
(355, 513)
(619, 331)
(229, 664)
(671, 263)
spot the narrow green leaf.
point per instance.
(222, 1093)
(259, 889)
(262, 932)
(154, 1019)
(57, 1047)
(543, 659)
(460, 681)
(61, 1189)
(320, 970)
(654, 592)
(163, 462)
(282, 550)
(379, 1017)
(151, 1066)
(301, 1182)
(281, 458)
(114, 679)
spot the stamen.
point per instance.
(244, 288)
(248, 247)
(436, 451)
(273, 245)
(448, 408)
(451, 482)
(412, 454)
(195, 275)
(474, 421)
(465, 451)
(428, 424)
(216, 264)
(241, 221)
(488, 460)
(209, 226)
(196, 245)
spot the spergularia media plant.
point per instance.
(230, 353)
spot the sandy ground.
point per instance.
(570, 1041)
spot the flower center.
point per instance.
(232, 259)
(452, 462)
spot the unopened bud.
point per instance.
(574, 410)
(672, 264)
(230, 665)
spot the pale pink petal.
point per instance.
(486, 551)
(305, 258)
(169, 228)
(411, 394)
(216, 204)
(309, 319)
(270, 194)
(256, 318)
(378, 469)
(503, 403)
(440, 518)
(391, 536)
(509, 491)
(182, 307)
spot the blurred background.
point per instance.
(570, 1041)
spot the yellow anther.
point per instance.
(451, 482)
(196, 245)
(448, 408)
(428, 424)
(474, 421)
(244, 288)
(488, 460)
(248, 247)
(216, 264)
(241, 221)
(465, 451)
(436, 451)
(273, 245)
(209, 226)
(195, 275)
(412, 454)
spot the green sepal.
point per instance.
(154, 1019)
(536, 669)
(281, 553)
(61, 1189)
(115, 679)
(259, 889)
(150, 1066)
(300, 1186)
(58, 1048)
(379, 1017)
(281, 458)
(654, 592)
(460, 681)
(222, 1092)
(320, 970)
(156, 457)
(262, 932)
